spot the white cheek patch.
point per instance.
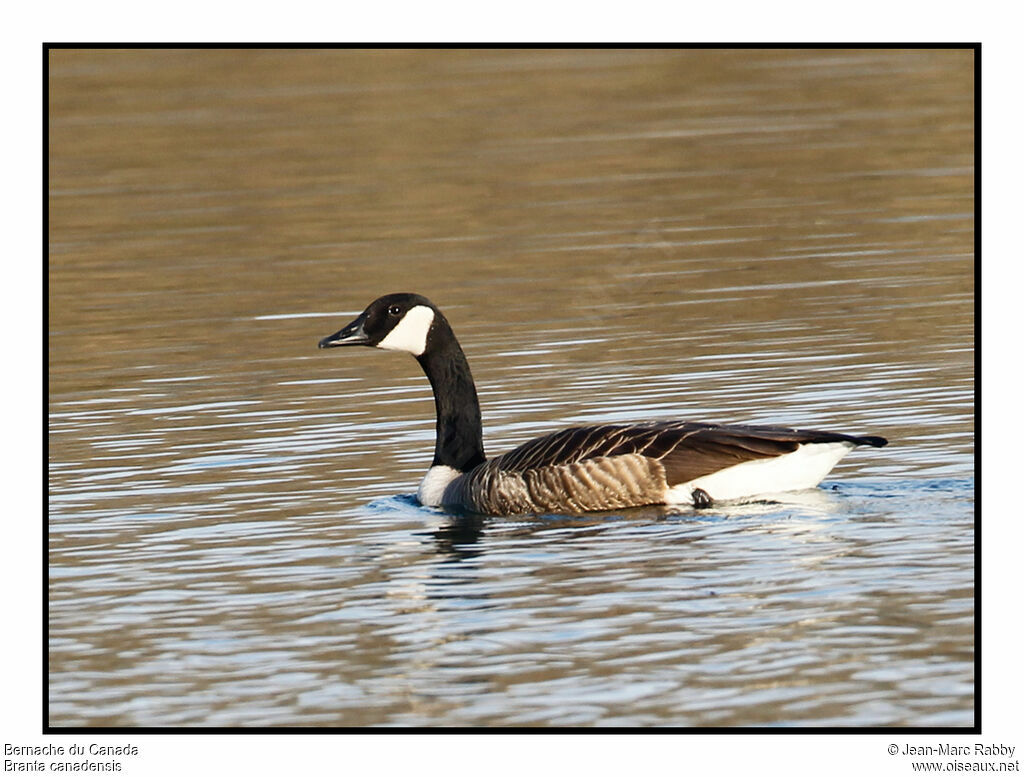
(411, 332)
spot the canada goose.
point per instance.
(603, 467)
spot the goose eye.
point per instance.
(394, 310)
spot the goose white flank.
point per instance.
(584, 468)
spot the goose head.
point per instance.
(394, 322)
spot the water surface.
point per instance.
(763, 237)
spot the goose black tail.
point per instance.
(874, 442)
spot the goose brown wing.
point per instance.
(686, 449)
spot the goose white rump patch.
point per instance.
(805, 467)
(431, 490)
(410, 334)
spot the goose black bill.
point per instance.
(352, 334)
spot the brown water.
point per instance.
(759, 236)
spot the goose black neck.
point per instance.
(460, 439)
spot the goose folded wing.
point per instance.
(686, 449)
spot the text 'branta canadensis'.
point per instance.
(602, 467)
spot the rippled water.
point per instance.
(766, 236)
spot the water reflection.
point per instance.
(458, 537)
